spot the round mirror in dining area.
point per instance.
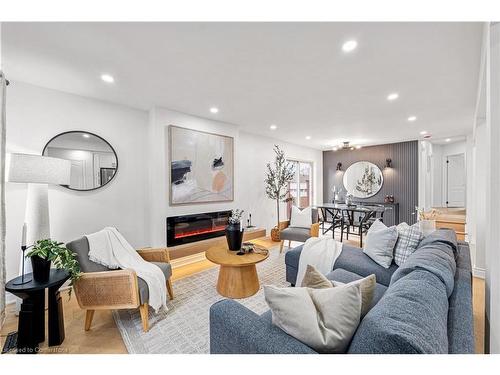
(93, 160)
(363, 179)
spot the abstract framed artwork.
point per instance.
(201, 167)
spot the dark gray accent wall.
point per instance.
(401, 180)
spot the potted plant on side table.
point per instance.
(44, 252)
(234, 231)
(277, 178)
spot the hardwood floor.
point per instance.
(104, 337)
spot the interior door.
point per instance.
(77, 178)
(455, 181)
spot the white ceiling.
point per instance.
(294, 75)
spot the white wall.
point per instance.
(34, 115)
(251, 155)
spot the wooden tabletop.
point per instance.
(225, 257)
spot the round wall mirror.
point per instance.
(363, 179)
(93, 161)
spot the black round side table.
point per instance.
(31, 326)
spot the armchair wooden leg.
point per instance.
(281, 246)
(144, 316)
(170, 289)
(89, 315)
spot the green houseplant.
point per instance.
(277, 178)
(44, 252)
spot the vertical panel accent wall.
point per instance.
(401, 180)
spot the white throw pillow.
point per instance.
(302, 219)
(324, 319)
(408, 239)
(380, 242)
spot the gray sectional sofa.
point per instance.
(424, 306)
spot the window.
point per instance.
(300, 189)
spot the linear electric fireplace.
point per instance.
(191, 228)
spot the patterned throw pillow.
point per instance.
(408, 240)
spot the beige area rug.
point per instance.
(185, 327)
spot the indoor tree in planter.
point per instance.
(278, 176)
(44, 252)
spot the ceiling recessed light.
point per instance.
(214, 110)
(85, 135)
(412, 118)
(349, 46)
(423, 132)
(308, 137)
(447, 140)
(273, 127)
(107, 78)
(392, 96)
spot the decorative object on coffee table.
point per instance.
(234, 230)
(238, 274)
(277, 178)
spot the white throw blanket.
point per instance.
(109, 248)
(320, 253)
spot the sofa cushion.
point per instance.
(380, 242)
(434, 256)
(409, 237)
(463, 256)
(324, 319)
(316, 280)
(301, 218)
(345, 277)
(460, 318)
(411, 317)
(354, 260)
(444, 236)
(81, 248)
(295, 234)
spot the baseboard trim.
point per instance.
(479, 272)
(189, 259)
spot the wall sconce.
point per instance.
(388, 163)
(339, 166)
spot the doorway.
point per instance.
(300, 188)
(455, 180)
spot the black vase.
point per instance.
(234, 236)
(41, 269)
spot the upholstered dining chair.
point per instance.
(300, 234)
(101, 288)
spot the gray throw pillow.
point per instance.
(380, 242)
(409, 238)
(324, 319)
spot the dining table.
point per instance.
(366, 211)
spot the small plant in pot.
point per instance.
(44, 252)
(234, 231)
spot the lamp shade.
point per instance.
(39, 169)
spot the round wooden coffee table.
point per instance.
(238, 274)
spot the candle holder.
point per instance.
(23, 279)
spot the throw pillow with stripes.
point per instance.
(408, 239)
